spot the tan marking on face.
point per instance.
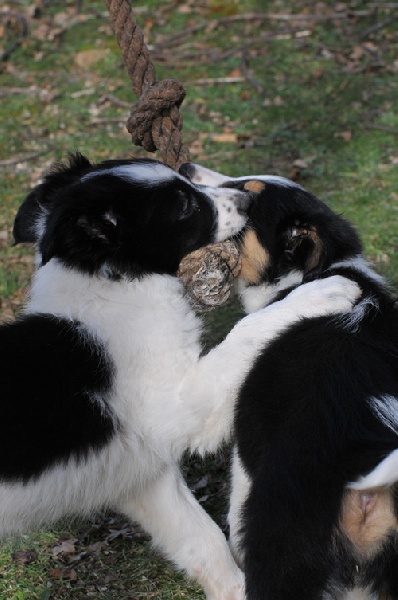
(255, 258)
(367, 518)
(316, 253)
(314, 257)
(255, 186)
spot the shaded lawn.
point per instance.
(313, 97)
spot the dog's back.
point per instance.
(318, 412)
(313, 511)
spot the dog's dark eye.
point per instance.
(189, 205)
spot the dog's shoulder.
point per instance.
(55, 377)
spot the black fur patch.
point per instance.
(53, 395)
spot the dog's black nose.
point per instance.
(187, 170)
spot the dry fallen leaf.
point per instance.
(345, 135)
(65, 547)
(24, 557)
(87, 58)
(69, 574)
(235, 73)
(97, 547)
(3, 237)
(222, 138)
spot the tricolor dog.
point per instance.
(103, 382)
(314, 502)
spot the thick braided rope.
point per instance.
(155, 122)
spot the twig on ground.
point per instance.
(215, 80)
(113, 100)
(108, 120)
(383, 128)
(250, 77)
(20, 159)
(186, 56)
(176, 37)
(377, 27)
(31, 91)
(383, 5)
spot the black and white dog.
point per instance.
(103, 385)
(314, 504)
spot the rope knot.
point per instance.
(155, 121)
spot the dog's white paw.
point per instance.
(329, 296)
(235, 591)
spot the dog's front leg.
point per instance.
(209, 389)
(185, 533)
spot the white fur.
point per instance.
(386, 473)
(386, 410)
(203, 176)
(239, 493)
(168, 399)
(254, 297)
(361, 594)
(355, 594)
(360, 264)
(351, 321)
(149, 174)
(230, 217)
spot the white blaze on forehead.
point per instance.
(282, 181)
(230, 205)
(219, 194)
(145, 173)
(205, 176)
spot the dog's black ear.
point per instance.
(99, 227)
(80, 239)
(78, 164)
(304, 249)
(25, 223)
(33, 208)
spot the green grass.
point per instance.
(325, 96)
(125, 567)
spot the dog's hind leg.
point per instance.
(184, 532)
(239, 491)
(391, 579)
(288, 536)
